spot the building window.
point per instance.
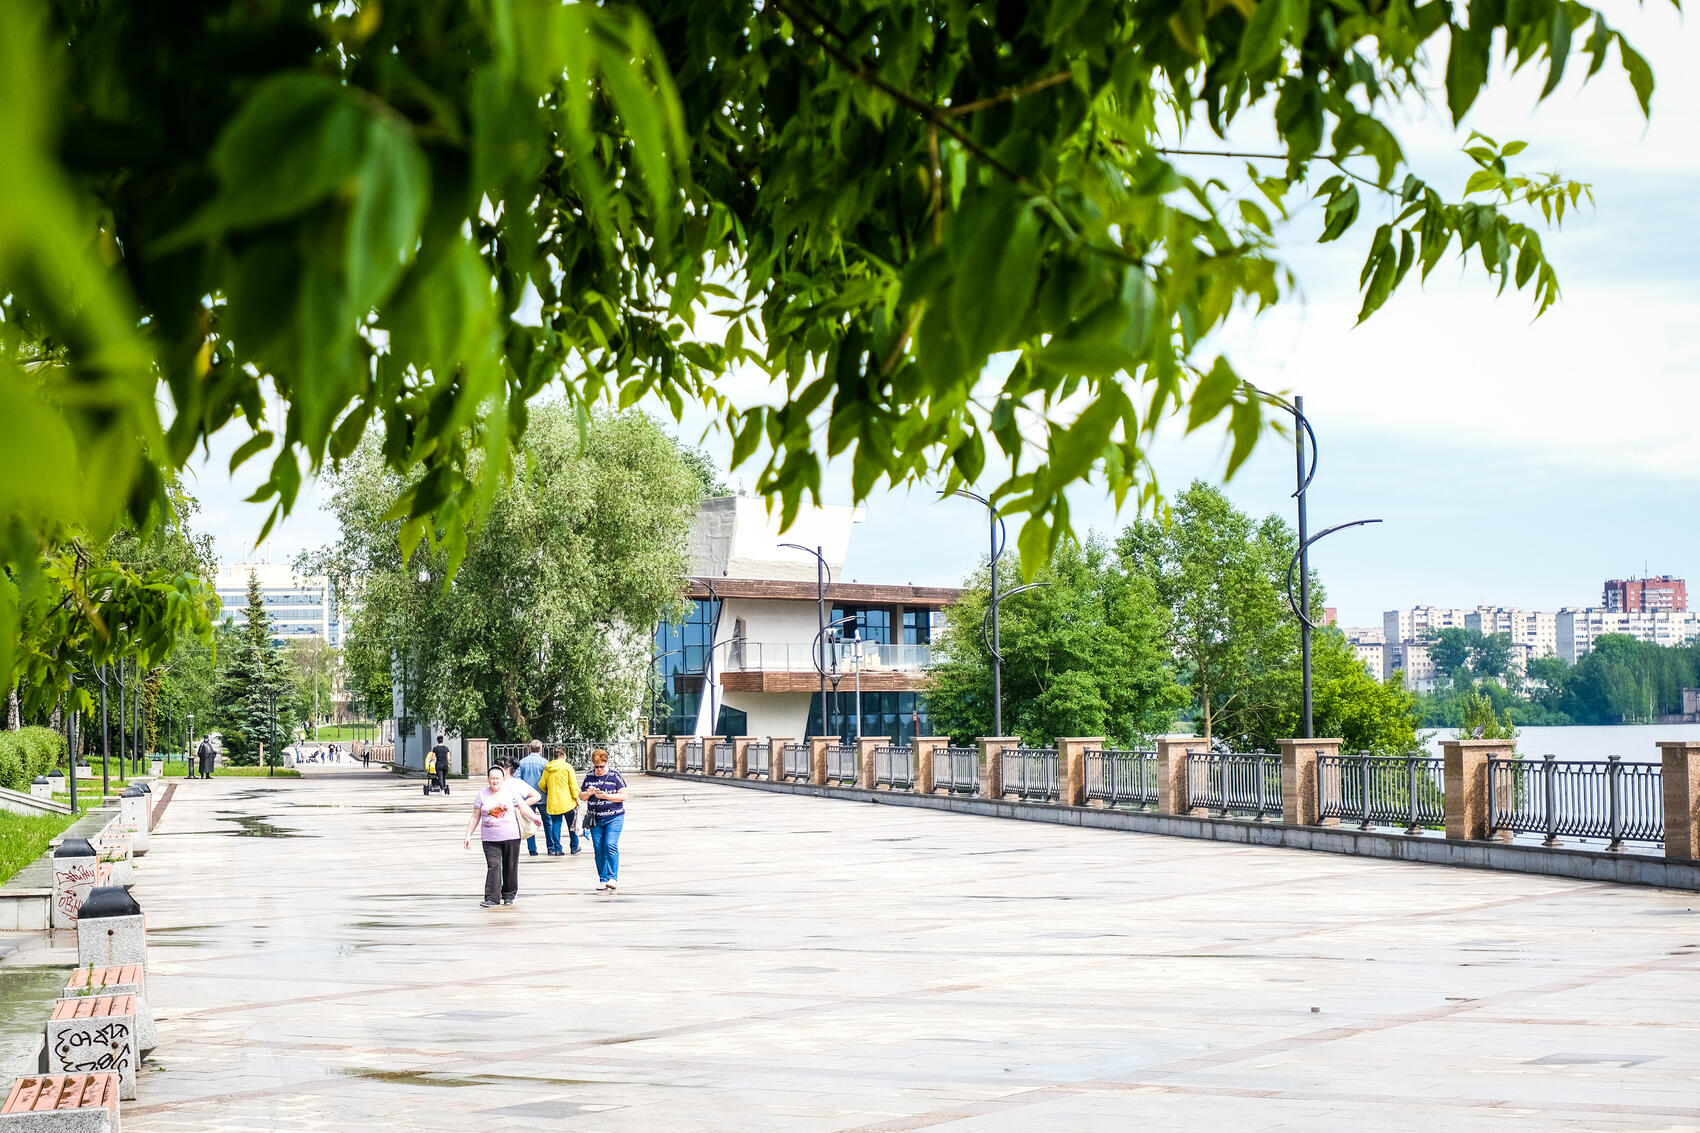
(873, 623)
(899, 716)
(920, 626)
(681, 653)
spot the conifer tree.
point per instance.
(255, 679)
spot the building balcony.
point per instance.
(762, 666)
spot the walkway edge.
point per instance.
(1581, 865)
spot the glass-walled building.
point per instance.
(300, 606)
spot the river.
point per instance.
(1634, 742)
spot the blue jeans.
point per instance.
(605, 841)
(552, 831)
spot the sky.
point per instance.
(1512, 461)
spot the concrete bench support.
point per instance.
(91, 1035)
(110, 930)
(133, 815)
(62, 1103)
(124, 980)
(75, 872)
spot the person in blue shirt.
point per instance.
(605, 789)
(530, 769)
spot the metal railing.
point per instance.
(758, 758)
(507, 753)
(724, 757)
(1577, 798)
(1121, 778)
(842, 764)
(1030, 773)
(797, 765)
(894, 767)
(1407, 791)
(799, 657)
(1234, 782)
(956, 770)
(693, 755)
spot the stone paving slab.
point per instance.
(319, 962)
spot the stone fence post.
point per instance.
(817, 758)
(924, 746)
(477, 758)
(865, 760)
(1071, 768)
(991, 763)
(741, 756)
(1299, 798)
(776, 758)
(1464, 764)
(1681, 767)
(1171, 773)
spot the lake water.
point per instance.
(1634, 742)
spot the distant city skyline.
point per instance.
(1513, 462)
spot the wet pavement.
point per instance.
(319, 961)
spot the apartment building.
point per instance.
(1579, 629)
(1646, 595)
(300, 605)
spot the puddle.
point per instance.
(409, 1077)
(254, 827)
(26, 996)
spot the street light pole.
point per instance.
(105, 739)
(1304, 567)
(822, 578)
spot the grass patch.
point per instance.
(340, 732)
(24, 837)
(177, 769)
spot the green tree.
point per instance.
(1490, 654)
(253, 692)
(1366, 713)
(543, 632)
(1222, 578)
(319, 218)
(1084, 655)
(312, 663)
(1478, 715)
(1450, 649)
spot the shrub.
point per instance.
(26, 753)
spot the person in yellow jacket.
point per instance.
(559, 787)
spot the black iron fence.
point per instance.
(1607, 799)
(1121, 778)
(725, 752)
(956, 770)
(1030, 772)
(841, 763)
(693, 755)
(758, 758)
(796, 764)
(1244, 783)
(894, 767)
(1407, 791)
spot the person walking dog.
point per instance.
(496, 819)
(559, 787)
(605, 788)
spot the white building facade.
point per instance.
(747, 659)
(300, 605)
(1579, 629)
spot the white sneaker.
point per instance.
(609, 886)
(601, 885)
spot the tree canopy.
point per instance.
(543, 632)
(311, 219)
(1084, 655)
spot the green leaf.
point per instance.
(1338, 215)
(259, 442)
(1213, 394)
(1035, 543)
(1260, 43)
(1558, 46)
(1466, 69)
(1640, 75)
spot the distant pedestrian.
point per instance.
(559, 787)
(202, 754)
(441, 751)
(366, 755)
(495, 818)
(530, 769)
(606, 790)
(208, 754)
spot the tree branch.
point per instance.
(1008, 95)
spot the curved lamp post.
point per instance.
(823, 577)
(997, 537)
(1301, 557)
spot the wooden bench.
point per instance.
(94, 1034)
(62, 1103)
(127, 979)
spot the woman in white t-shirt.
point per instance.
(495, 818)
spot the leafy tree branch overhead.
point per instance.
(350, 204)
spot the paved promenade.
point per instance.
(319, 961)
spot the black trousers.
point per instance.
(442, 777)
(501, 870)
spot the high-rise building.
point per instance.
(300, 605)
(1578, 630)
(1638, 595)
